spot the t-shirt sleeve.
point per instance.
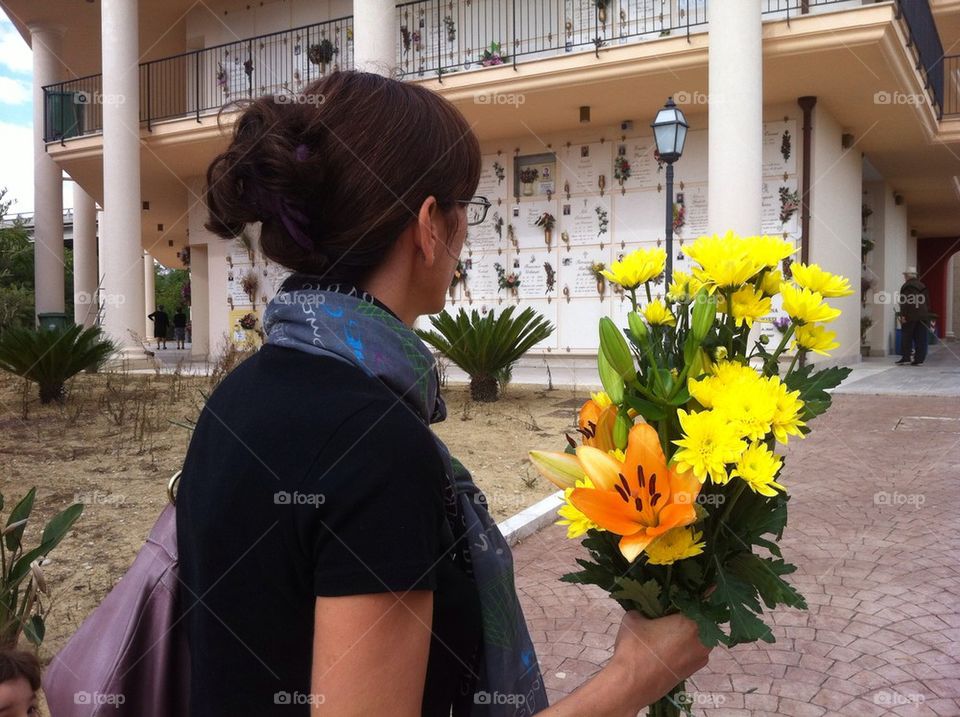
(374, 521)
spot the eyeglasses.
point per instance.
(476, 209)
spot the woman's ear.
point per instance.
(427, 233)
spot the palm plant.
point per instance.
(50, 357)
(486, 348)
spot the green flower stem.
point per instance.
(633, 297)
(779, 350)
(646, 285)
(793, 363)
(715, 532)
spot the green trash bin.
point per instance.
(54, 321)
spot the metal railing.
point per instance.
(438, 37)
(201, 81)
(951, 86)
(793, 8)
(926, 39)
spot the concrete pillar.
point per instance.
(150, 293)
(45, 41)
(950, 269)
(85, 273)
(735, 129)
(374, 42)
(122, 250)
(199, 303)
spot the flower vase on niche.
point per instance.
(547, 221)
(528, 175)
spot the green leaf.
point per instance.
(650, 411)
(708, 619)
(58, 526)
(764, 574)
(644, 596)
(592, 574)
(813, 387)
(740, 598)
(21, 511)
(34, 630)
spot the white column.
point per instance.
(85, 276)
(122, 250)
(150, 293)
(199, 302)
(951, 270)
(374, 41)
(45, 41)
(735, 129)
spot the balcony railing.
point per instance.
(437, 37)
(434, 38)
(951, 86)
(198, 82)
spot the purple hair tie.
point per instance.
(301, 153)
(291, 216)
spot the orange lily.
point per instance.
(639, 498)
(595, 422)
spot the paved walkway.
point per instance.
(874, 531)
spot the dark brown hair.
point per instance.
(19, 663)
(336, 173)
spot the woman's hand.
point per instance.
(650, 658)
(657, 654)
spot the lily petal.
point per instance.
(561, 469)
(674, 515)
(602, 468)
(607, 509)
(632, 545)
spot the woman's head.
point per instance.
(19, 682)
(338, 173)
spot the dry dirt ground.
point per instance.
(115, 442)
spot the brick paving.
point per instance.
(874, 532)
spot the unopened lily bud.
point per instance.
(616, 349)
(621, 431)
(704, 312)
(637, 327)
(611, 380)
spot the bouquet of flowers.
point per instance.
(675, 484)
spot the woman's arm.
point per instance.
(370, 657)
(370, 654)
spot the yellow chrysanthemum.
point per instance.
(806, 306)
(757, 467)
(815, 338)
(786, 419)
(723, 262)
(748, 305)
(637, 267)
(577, 523)
(769, 251)
(676, 544)
(657, 314)
(770, 284)
(709, 442)
(811, 276)
(726, 375)
(683, 287)
(751, 411)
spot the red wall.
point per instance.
(933, 257)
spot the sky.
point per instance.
(16, 119)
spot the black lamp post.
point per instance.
(670, 132)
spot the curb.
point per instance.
(529, 520)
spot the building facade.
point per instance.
(835, 123)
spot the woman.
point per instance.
(335, 559)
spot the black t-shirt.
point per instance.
(306, 478)
(179, 320)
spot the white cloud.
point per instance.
(14, 91)
(15, 54)
(16, 172)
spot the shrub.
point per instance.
(486, 348)
(50, 357)
(21, 581)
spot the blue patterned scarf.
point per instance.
(341, 321)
